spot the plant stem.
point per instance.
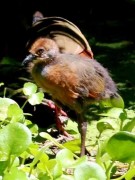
(108, 170)
(24, 104)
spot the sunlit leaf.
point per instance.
(14, 139)
(66, 177)
(15, 113)
(72, 127)
(123, 115)
(89, 171)
(29, 88)
(4, 104)
(112, 112)
(3, 166)
(121, 146)
(117, 102)
(15, 174)
(67, 156)
(36, 98)
(44, 177)
(130, 174)
(47, 136)
(105, 124)
(73, 145)
(129, 125)
(55, 168)
(33, 127)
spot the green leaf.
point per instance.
(67, 156)
(123, 115)
(4, 104)
(121, 146)
(112, 102)
(55, 168)
(44, 177)
(73, 145)
(53, 140)
(130, 174)
(36, 98)
(33, 128)
(14, 139)
(15, 113)
(3, 166)
(65, 177)
(118, 102)
(15, 174)
(105, 124)
(112, 112)
(89, 170)
(129, 125)
(29, 88)
(72, 127)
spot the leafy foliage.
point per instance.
(22, 156)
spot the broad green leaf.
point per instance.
(67, 156)
(89, 171)
(3, 166)
(38, 155)
(129, 125)
(4, 104)
(130, 113)
(33, 127)
(105, 124)
(15, 174)
(57, 170)
(44, 177)
(79, 161)
(121, 146)
(118, 102)
(54, 167)
(14, 139)
(123, 115)
(73, 145)
(112, 102)
(130, 174)
(65, 177)
(106, 103)
(72, 127)
(112, 112)
(15, 113)
(29, 88)
(36, 98)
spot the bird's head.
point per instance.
(41, 49)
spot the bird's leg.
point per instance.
(59, 124)
(82, 125)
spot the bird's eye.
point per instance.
(40, 51)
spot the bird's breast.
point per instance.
(59, 82)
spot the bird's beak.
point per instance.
(28, 59)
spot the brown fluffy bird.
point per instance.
(71, 80)
(69, 39)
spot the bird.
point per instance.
(69, 39)
(70, 79)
